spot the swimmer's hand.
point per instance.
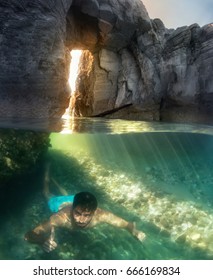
(50, 245)
(140, 235)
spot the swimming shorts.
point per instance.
(56, 203)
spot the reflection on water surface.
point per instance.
(69, 125)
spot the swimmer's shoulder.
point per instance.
(100, 216)
(62, 217)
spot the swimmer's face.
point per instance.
(82, 217)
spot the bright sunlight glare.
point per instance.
(74, 65)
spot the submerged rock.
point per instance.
(19, 152)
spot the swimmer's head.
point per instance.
(84, 206)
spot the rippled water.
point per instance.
(158, 175)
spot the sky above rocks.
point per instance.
(176, 13)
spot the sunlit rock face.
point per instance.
(136, 64)
(114, 79)
(162, 74)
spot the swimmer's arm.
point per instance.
(114, 220)
(39, 234)
(43, 235)
(42, 232)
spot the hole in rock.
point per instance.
(74, 67)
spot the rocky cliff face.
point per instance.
(34, 59)
(160, 74)
(134, 64)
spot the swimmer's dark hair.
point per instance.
(86, 200)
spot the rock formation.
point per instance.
(34, 58)
(160, 73)
(132, 67)
(19, 153)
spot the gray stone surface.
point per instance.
(34, 61)
(164, 74)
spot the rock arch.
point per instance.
(165, 74)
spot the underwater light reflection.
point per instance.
(157, 177)
(183, 220)
(116, 126)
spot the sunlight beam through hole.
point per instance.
(74, 69)
(74, 66)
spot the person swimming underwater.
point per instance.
(79, 211)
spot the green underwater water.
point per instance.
(161, 180)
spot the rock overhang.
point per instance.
(105, 24)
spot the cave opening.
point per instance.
(81, 73)
(81, 65)
(75, 56)
(74, 69)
